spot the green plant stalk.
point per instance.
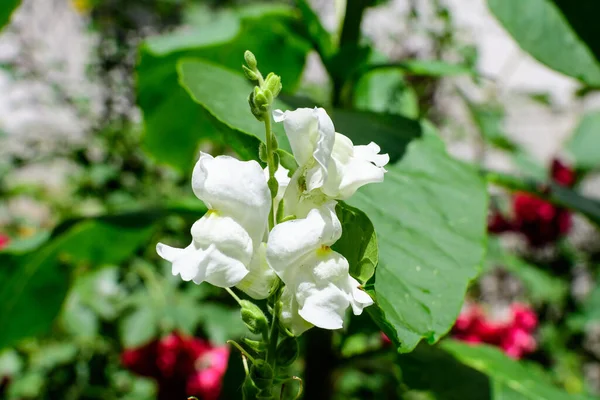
(273, 337)
(270, 163)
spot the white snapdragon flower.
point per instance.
(318, 287)
(226, 248)
(330, 166)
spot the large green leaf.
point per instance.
(510, 379)
(543, 31)
(34, 285)
(358, 242)
(584, 145)
(175, 125)
(6, 9)
(430, 218)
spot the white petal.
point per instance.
(322, 306)
(220, 252)
(184, 261)
(311, 135)
(352, 167)
(289, 313)
(235, 188)
(291, 241)
(323, 290)
(258, 283)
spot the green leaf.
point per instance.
(139, 327)
(391, 132)
(222, 323)
(510, 379)
(223, 94)
(175, 125)
(6, 9)
(583, 145)
(581, 15)
(431, 68)
(489, 119)
(34, 285)
(542, 30)
(320, 38)
(542, 287)
(385, 90)
(358, 242)
(430, 217)
(432, 369)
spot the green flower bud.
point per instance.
(258, 114)
(287, 352)
(261, 101)
(250, 60)
(251, 75)
(273, 186)
(255, 345)
(273, 84)
(262, 374)
(254, 318)
(275, 156)
(275, 145)
(262, 152)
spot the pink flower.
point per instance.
(514, 335)
(4, 241)
(182, 366)
(207, 379)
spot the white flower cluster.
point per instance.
(232, 246)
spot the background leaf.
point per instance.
(583, 145)
(43, 275)
(6, 9)
(511, 379)
(175, 125)
(541, 29)
(430, 244)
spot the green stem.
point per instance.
(274, 333)
(270, 164)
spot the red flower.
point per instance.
(512, 335)
(182, 366)
(562, 174)
(538, 220)
(4, 241)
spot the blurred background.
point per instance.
(84, 100)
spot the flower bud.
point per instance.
(251, 75)
(273, 186)
(254, 318)
(262, 374)
(262, 152)
(255, 345)
(273, 84)
(250, 60)
(261, 100)
(258, 114)
(287, 352)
